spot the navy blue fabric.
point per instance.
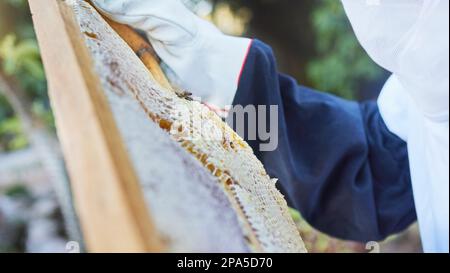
(336, 161)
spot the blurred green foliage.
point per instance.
(12, 137)
(341, 65)
(20, 58)
(18, 191)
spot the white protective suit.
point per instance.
(410, 38)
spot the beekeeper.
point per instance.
(357, 171)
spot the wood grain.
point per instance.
(109, 202)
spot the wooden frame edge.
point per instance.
(109, 201)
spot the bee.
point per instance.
(183, 94)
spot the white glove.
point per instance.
(207, 62)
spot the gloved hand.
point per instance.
(207, 62)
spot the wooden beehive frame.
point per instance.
(101, 172)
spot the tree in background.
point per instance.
(340, 65)
(19, 62)
(25, 114)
